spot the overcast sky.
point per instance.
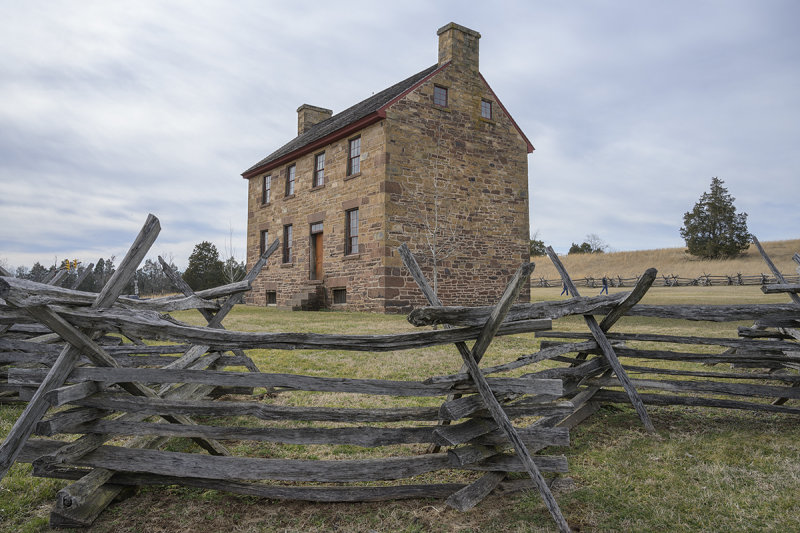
(113, 110)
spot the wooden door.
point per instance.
(316, 267)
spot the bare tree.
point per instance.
(597, 244)
(537, 247)
(232, 269)
(169, 257)
(439, 232)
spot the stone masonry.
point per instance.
(451, 174)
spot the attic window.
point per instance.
(440, 96)
(486, 109)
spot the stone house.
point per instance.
(435, 161)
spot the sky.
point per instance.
(113, 110)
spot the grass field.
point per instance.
(706, 470)
(671, 261)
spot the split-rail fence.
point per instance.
(64, 357)
(671, 280)
(763, 357)
(124, 401)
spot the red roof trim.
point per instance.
(368, 120)
(530, 146)
(332, 137)
(380, 114)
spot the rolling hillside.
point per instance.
(670, 261)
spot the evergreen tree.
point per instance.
(38, 273)
(234, 270)
(72, 272)
(592, 245)
(97, 275)
(152, 280)
(205, 269)
(713, 229)
(88, 283)
(537, 246)
(583, 248)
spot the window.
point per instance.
(340, 296)
(354, 159)
(266, 191)
(264, 241)
(486, 109)
(290, 172)
(272, 298)
(287, 243)
(351, 232)
(319, 170)
(440, 96)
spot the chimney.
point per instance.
(459, 45)
(308, 115)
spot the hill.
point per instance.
(670, 261)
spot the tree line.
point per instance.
(204, 271)
(712, 230)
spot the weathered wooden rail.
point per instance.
(764, 359)
(672, 280)
(61, 353)
(124, 401)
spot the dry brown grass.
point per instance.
(670, 261)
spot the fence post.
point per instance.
(608, 350)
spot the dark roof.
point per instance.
(345, 118)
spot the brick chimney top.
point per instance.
(459, 45)
(308, 115)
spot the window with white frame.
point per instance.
(440, 95)
(351, 232)
(266, 194)
(264, 241)
(486, 109)
(319, 170)
(290, 175)
(287, 243)
(354, 157)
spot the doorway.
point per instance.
(316, 255)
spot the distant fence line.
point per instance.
(672, 280)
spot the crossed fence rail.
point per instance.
(61, 354)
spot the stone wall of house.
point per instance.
(481, 186)
(357, 273)
(432, 176)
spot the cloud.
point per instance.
(636, 113)
(113, 110)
